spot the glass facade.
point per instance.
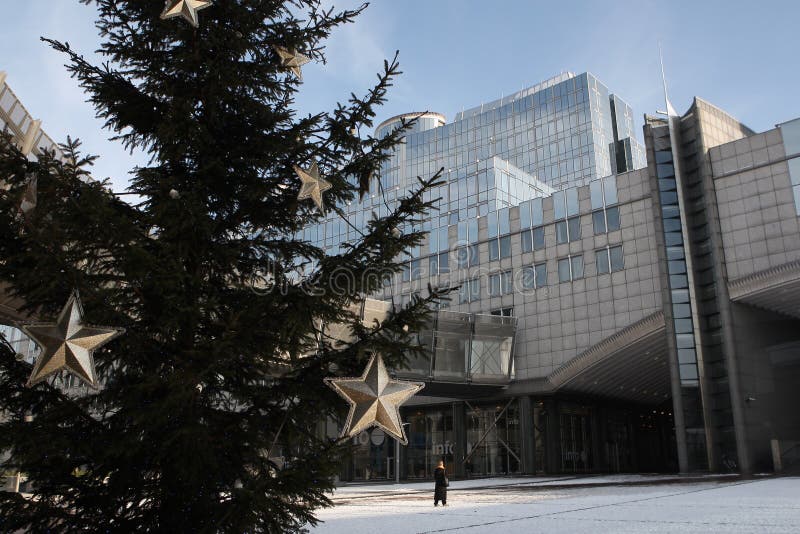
(790, 131)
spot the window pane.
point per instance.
(687, 356)
(527, 241)
(474, 256)
(559, 207)
(463, 293)
(492, 224)
(503, 221)
(473, 230)
(610, 190)
(494, 285)
(561, 232)
(574, 228)
(572, 201)
(525, 215)
(617, 261)
(673, 238)
(541, 275)
(596, 193)
(505, 247)
(528, 278)
(433, 265)
(494, 250)
(601, 257)
(683, 326)
(680, 296)
(599, 222)
(475, 289)
(678, 281)
(505, 280)
(416, 270)
(443, 244)
(536, 211)
(577, 267)
(612, 216)
(444, 262)
(538, 238)
(563, 270)
(462, 257)
(681, 311)
(685, 341)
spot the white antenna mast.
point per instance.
(670, 110)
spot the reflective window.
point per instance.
(541, 274)
(616, 258)
(491, 224)
(572, 201)
(525, 215)
(527, 241)
(469, 291)
(559, 205)
(574, 228)
(599, 222)
(538, 238)
(505, 247)
(444, 262)
(494, 285)
(528, 278)
(790, 131)
(577, 267)
(562, 235)
(596, 194)
(612, 218)
(536, 212)
(563, 270)
(601, 257)
(610, 190)
(494, 250)
(503, 221)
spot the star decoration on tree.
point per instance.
(292, 59)
(68, 344)
(185, 8)
(313, 185)
(375, 400)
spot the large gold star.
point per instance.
(68, 344)
(375, 400)
(292, 59)
(313, 185)
(184, 8)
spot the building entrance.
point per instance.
(576, 440)
(493, 440)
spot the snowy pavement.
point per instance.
(568, 505)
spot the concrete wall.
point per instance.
(561, 320)
(758, 221)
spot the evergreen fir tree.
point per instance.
(222, 362)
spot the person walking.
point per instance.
(440, 490)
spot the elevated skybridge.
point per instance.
(465, 349)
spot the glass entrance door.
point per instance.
(576, 442)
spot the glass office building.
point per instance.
(502, 160)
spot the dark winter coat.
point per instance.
(440, 492)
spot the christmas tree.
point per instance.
(224, 353)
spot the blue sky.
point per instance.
(740, 55)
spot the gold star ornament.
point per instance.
(292, 59)
(184, 8)
(375, 400)
(68, 344)
(313, 185)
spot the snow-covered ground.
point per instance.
(570, 504)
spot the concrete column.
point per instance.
(552, 437)
(526, 436)
(459, 438)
